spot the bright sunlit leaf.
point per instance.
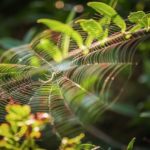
(5, 130)
(107, 10)
(141, 20)
(91, 26)
(63, 28)
(146, 21)
(135, 17)
(50, 49)
(131, 144)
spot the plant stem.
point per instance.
(113, 3)
(66, 38)
(89, 40)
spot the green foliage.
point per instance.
(76, 144)
(50, 49)
(108, 11)
(141, 20)
(22, 128)
(146, 21)
(93, 29)
(103, 9)
(131, 144)
(65, 38)
(136, 17)
(17, 113)
(63, 28)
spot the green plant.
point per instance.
(22, 128)
(50, 79)
(141, 20)
(109, 13)
(75, 144)
(131, 144)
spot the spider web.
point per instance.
(76, 91)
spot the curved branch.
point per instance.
(112, 40)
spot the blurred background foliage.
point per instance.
(130, 117)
